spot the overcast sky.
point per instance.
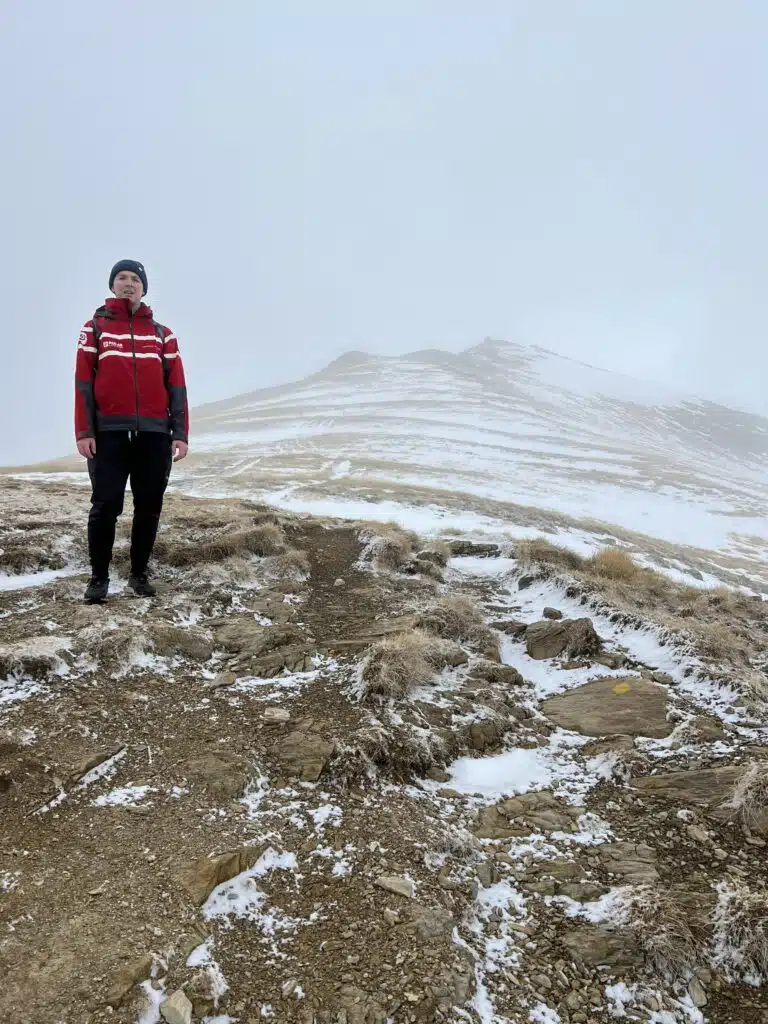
(303, 178)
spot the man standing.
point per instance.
(131, 422)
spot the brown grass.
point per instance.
(458, 618)
(395, 666)
(741, 931)
(454, 618)
(292, 563)
(674, 941)
(750, 796)
(437, 552)
(19, 556)
(387, 546)
(721, 625)
(755, 685)
(613, 563)
(262, 540)
(539, 549)
(373, 751)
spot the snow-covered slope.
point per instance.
(504, 423)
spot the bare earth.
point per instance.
(208, 792)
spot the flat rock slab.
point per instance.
(703, 787)
(630, 706)
(305, 755)
(397, 884)
(598, 944)
(221, 773)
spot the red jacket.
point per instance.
(126, 377)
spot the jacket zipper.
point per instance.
(135, 375)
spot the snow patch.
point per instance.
(123, 796)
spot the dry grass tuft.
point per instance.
(613, 563)
(395, 666)
(454, 618)
(750, 796)
(19, 556)
(387, 546)
(539, 549)
(457, 842)
(673, 942)
(755, 684)
(458, 618)
(446, 654)
(437, 552)
(373, 751)
(263, 540)
(741, 931)
(293, 563)
(718, 640)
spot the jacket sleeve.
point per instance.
(85, 373)
(177, 388)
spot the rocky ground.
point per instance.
(336, 774)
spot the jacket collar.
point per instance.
(122, 308)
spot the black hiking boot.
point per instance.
(140, 585)
(97, 589)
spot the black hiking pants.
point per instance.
(144, 458)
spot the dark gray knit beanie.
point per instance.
(135, 267)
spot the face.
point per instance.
(127, 285)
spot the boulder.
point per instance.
(539, 810)
(583, 641)
(241, 634)
(597, 944)
(702, 787)
(34, 656)
(492, 824)
(428, 922)
(397, 884)
(468, 547)
(552, 613)
(127, 976)
(708, 729)
(276, 716)
(611, 659)
(176, 1009)
(493, 672)
(584, 891)
(189, 642)
(575, 637)
(630, 705)
(201, 876)
(484, 734)
(220, 773)
(511, 627)
(546, 639)
(305, 755)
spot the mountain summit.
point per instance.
(501, 422)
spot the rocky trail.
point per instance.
(337, 774)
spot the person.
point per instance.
(131, 422)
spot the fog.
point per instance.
(301, 179)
